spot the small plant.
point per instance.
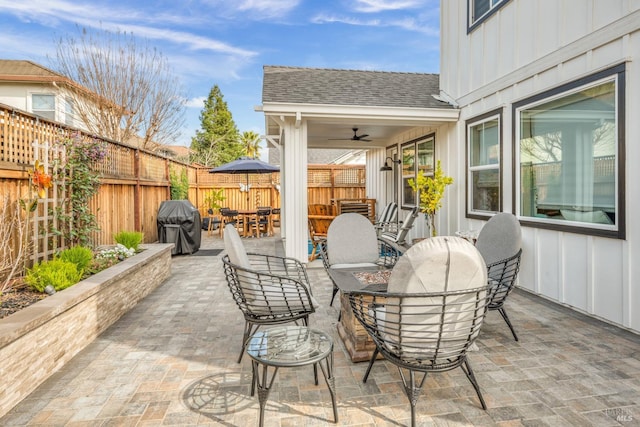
(431, 191)
(81, 256)
(58, 273)
(129, 239)
(213, 199)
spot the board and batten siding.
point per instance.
(513, 56)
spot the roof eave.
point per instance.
(406, 115)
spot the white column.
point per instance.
(294, 165)
(376, 181)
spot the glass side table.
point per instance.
(286, 347)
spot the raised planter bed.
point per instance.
(38, 340)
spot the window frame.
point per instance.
(471, 24)
(36, 112)
(617, 230)
(474, 121)
(410, 148)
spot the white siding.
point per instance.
(512, 56)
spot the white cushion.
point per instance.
(436, 264)
(352, 239)
(234, 247)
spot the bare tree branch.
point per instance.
(138, 100)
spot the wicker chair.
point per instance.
(500, 243)
(352, 243)
(419, 328)
(268, 289)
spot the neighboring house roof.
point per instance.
(27, 71)
(22, 71)
(323, 156)
(297, 85)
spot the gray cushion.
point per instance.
(500, 238)
(352, 239)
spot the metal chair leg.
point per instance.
(333, 296)
(466, 368)
(412, 390)
(373, 359)
(249, 330)
(503, 312)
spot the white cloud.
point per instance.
(253, 9)
(409, 24)
(330, 19)
(197, 102)
(373, 6)
(52, 12)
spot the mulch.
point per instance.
(15, 300)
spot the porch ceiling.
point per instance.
(331, 126)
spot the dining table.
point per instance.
(355, 338)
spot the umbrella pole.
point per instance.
(248, 189)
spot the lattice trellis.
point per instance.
(43, 219)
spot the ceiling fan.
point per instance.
(355, 137)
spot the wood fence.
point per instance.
(134, 182)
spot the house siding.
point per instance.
(514, 57)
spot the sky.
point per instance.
(227, 42)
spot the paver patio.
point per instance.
(172, 361)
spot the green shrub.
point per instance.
(79, 255)
(129, 239)
(58, 273)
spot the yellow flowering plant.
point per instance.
(431, 190)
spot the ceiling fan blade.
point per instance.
(362, 136)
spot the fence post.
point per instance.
(136, 191)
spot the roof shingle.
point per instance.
(298, 85)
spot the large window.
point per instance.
(417, 156)
(479, 10)
(44, 105)
(484, 164)
(569, 151)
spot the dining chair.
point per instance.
(229, 216)
(268, 289)
(431, 313)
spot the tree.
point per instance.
(138, 97)
(217, 142)
(251, 143)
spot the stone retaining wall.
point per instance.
(38, 340)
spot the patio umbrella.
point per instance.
(245, 165)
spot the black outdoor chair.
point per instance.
(268, 289)
(419, 328)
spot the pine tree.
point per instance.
(218, 141)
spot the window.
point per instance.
(479, 10)
(44, 105)
(569, 151)
(417, 156)
(484, 164)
